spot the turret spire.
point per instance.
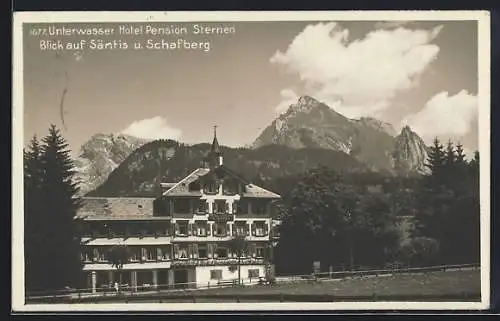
(215, 150)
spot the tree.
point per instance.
(118, 256)
(33, 207)
(238, 245)
(326, 208)
(49, 212)
(436, 159)
(449, 205)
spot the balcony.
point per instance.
(218, 261)
(148, 240)
(221, 217)
(128, 266)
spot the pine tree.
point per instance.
(33, 175)
(436, 159)
(60, 247)
(460, 155)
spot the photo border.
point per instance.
(19, 18)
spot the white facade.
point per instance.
(206, 275)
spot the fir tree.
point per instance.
(459, 154)
(436, 159)
(33, 204)
(54, 260)
(450, 157)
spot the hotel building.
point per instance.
(183, 236)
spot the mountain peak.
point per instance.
(410, 152)
(304, 104)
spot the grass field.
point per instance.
(432, 283)
(437, 286)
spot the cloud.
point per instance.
(152, 128)
(362, 75)
(445, 116)
(288, 97)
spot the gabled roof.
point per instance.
(182, 187)
(251, 190)
(115, 208)
(226, 170)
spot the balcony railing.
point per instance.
(217, 261)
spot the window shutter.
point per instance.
(159, 255)
(176, 251)
(143, 254)
(96, 255)
(215, 250)
(190, 251)
(195, 251)
(252, 227)
(213, 229)
(176, 227)
(210, 250)
(227, 207)
(190, 229)
(253, 250)
(247, 229)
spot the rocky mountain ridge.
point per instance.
(100, 155)
(311, 123)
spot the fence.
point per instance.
(190, 291)
(372, 272)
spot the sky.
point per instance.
(421, 74)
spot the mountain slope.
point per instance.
(312, 124)
(410, 153)
(100, 155)
(136, 175)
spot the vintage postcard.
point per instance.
(167, 161)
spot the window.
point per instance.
(259, 208)
(242, 207)
(259, 229)
(240, 229)
(181, 228)
(259, 252)
(87, 255)
(150, 254)
(182, 206)
(200, 228)
(202, 251)
(215, 274)
(163, 253)
(201, 206)
(230, 187)
(195, 186)
(220, 229)
(211, 188)
(220, 206)
(221, 252)
(180, 251)
(161, 207)
(135, 254)
(253, 273)
(98, 254)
